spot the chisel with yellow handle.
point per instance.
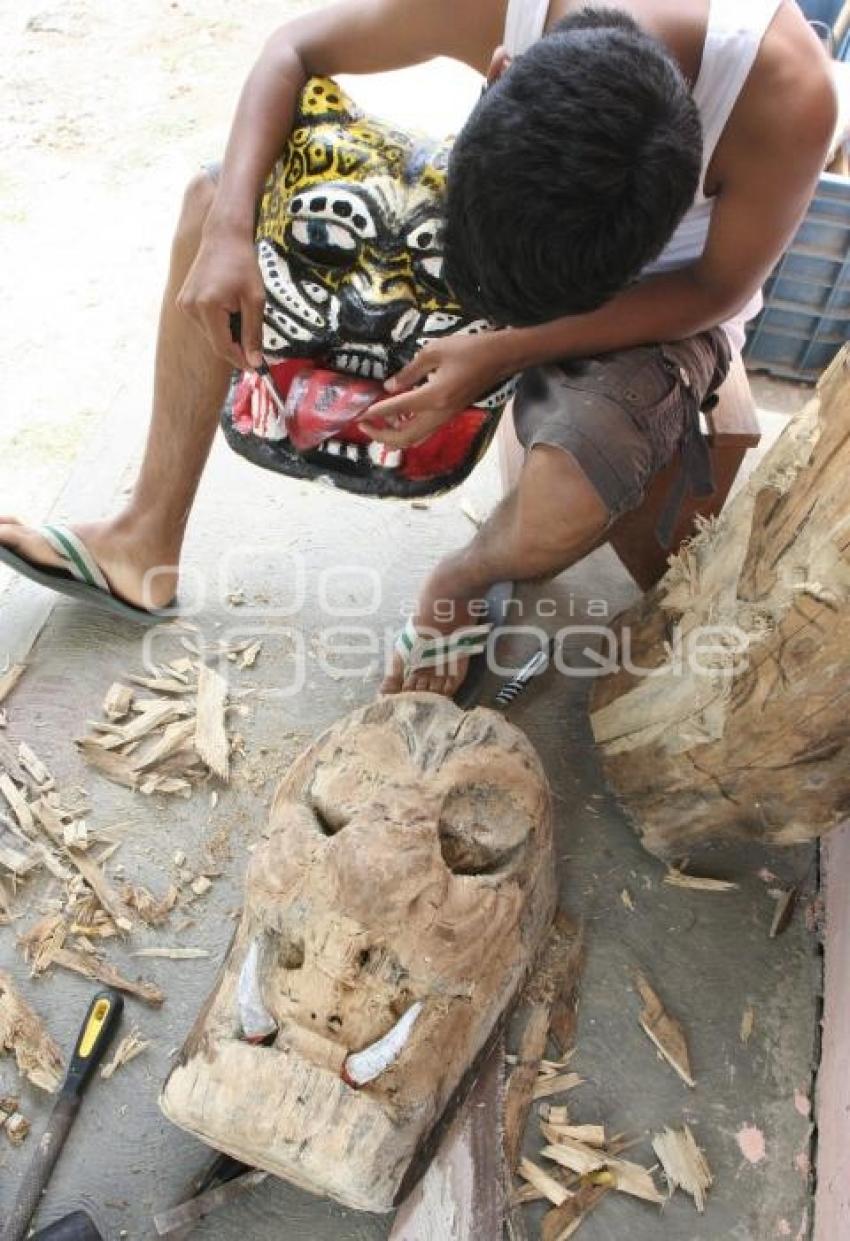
(95, 1036)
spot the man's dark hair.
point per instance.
(572, 172)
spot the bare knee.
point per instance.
(559, 514)
(197, 200)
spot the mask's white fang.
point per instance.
(257, 1021)
(364, 1066)
(389, 458)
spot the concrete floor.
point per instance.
(709, 954)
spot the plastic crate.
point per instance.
(821, 10)
(806, 316)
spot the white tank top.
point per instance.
(733, 36)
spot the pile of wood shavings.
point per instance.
(173, 741)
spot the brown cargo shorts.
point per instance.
(624, 416)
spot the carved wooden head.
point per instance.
(405, 884)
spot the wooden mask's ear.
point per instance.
(322, 101)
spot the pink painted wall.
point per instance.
(832, 1205)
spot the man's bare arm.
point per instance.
(358, 36)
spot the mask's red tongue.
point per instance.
(321, 404)
(314, 404)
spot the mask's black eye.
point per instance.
(426, 238)
(323, 242)
(425, 243)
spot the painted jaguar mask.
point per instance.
(349, 240)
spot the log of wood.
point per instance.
(404, 891)
(743, 730)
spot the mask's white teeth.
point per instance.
(364, 1066)
(352, 452)
(334, 447)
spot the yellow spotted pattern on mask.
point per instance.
(333, 141)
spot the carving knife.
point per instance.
(96, 1033)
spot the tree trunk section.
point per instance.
(743, 727)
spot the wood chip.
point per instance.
(75, 834)
(9, 679)
(168, 786)
(34, 767)
(106, 895)
(526, 1193)
(101, 971)
(10, 763)
(543, 1181)
(684, 1164)
(17, 802)
(590, 1135)
(131, 1045)
(783, 913)
(664, 1031)
(629, 1178)
(556, 1114)
(5, 905)
(22, 1032)
(15, 861)
(576, 1156)
(17, 1128)
(201, 885)
(249, 655)
(748, 1021)
(210, 735)
(116, 767)
(627, 899)
(173, 738)
(41, 941)
(153, 912)
(173, 954)
(164, 685)
(555, 1083)
(698, 883)
(564, 1221)
(151, 714)
(118, 701)
(8, 1107)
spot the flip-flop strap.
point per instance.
(76, 556)
(426, 650)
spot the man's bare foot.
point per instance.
(138, 569)
(443, 609)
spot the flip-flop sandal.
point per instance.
(421, 651)
(82, 579)
(498, 598)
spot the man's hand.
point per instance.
(452, 374)
(225, 280)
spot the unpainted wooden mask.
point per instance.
(404, 886)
